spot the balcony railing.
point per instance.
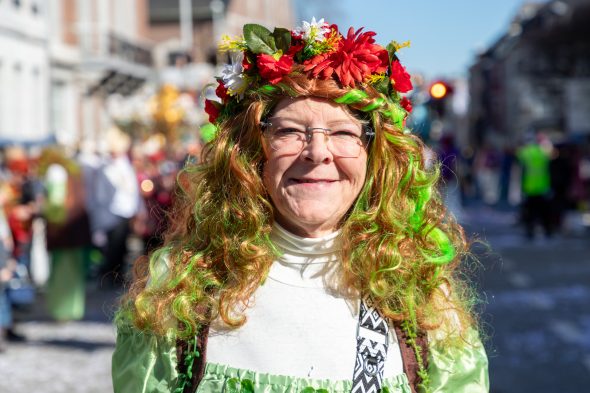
(126, 50)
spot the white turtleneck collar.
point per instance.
(304, 262)
(311, 247)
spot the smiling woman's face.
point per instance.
(313, 189)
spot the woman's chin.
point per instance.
(317, 222)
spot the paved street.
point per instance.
(72, 357)
(537, 314)
(537, 317)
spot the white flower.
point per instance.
(314, 30)
(232, 75)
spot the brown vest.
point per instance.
(198, 368)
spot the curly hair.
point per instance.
(399, 245)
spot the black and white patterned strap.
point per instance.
(372, 341)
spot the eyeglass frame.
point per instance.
(366, 130)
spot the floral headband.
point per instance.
(261, 58)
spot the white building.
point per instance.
(96, 49)
(24, 72)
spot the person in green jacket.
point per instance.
(309, 251)
(536, 187)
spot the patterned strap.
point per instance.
(372, 342)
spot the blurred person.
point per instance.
(157, 183)
(310, 238)
(561, 174)
(28, 196)
(7, 268)
(487, 173)
(506, 166)
(536, 186)
(68, 234)
(116, 201)
(449, 162)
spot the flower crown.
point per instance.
(261, 58)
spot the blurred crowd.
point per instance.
(548, 179)
(66, 218)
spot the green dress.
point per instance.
(145, 363)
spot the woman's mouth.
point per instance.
(312, 181)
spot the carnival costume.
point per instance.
(303, 334)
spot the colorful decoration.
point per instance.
(260, 59)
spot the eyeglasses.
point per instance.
(346, 141)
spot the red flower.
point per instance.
(296, 46)
(406, 104)
(273, 70)
(246, 64)
(333, 29)
(356, 58)
(213, 110)
(221, 91)
(400, 77)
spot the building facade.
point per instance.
(96, 49)
(63, 61)
(536, 77)
(24, 72)
(204, 22)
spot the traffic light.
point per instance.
(439, 93)
(438, 90)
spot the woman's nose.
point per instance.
(316, 148)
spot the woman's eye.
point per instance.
(345, 134)
(288, 131)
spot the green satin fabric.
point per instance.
(463, 370)
(220, 378)
(144, 363)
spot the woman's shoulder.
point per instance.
(457, 363)
(457, 360)
(143, 361)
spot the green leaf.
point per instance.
(308, 389)
(282, 38)
(259, 39)
(382, 86)
(233, 385)
(247, 386)
(321, 391)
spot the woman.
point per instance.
(309, 250)
(68, 234)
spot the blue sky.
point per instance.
(445, 34)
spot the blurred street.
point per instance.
(63, 357)
(537, 317)
(537, 313)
